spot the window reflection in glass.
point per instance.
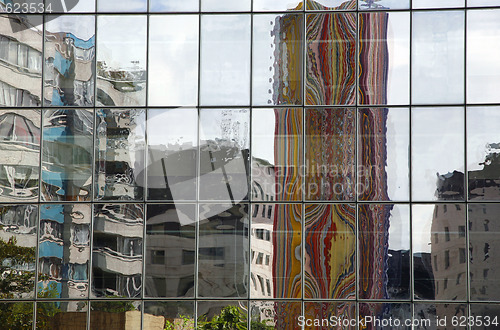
(13, 319)
(126, 6)
(281, 5)
(117, 251)
(104, 312)
(435, 312)
(384, 4)
(277, 314)
(172, 313)
(419, 4)
(225, 5)
(66, 314)
(235, 310)
(67, 155)
(64, 251)
(326, 310)
(386, 312)
(330, 4)
(80, 6)
(173, 6)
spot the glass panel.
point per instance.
(170, 250)
(69, 61)
(385, 37)
(386, 316)
(105, 314)
(437, 172)
(417, 4)
(384, 4)
(330, 154)
(438, 57)
(331, 54)
(17, 315)
(168, 315)
(277, 5)
(117, 252)
(18, 224)
(120, 149)
(329, 315)
(173, 55)
(277, 59)
(277, 154)
(225, 5)
(484, 226)
(173, 6)
(62, 315)
(21, 83)
(483, 144)
(276, 251)
(439, 316)
(483, 77)
(224, 154)
(384, 251)
(331, 4)
(223, 251)
(275, 314)
(20, 150)
(172, 154)
(488, 313)
(125, 6)
(480, 3)
(330, 251)
(67, 155)
(439, 267)
(121, 60)
(383, 154)
(232, 314)
(225, 60)
(64, 251)
(72, 6)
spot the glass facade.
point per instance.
(318, 164)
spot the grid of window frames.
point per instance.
(163, 163)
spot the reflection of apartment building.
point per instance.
(124, 86)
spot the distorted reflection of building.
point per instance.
(120, 86)
(117, 253)
(485, 183)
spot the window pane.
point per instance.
(277, 314)
(67, 314)
(384, 4)
(434, 313)
(125, 6)
(334, 312)
(173, 313)
(387, 312)
(236, 311)
(173, 6)
(417, 4)
(58, 6)
(102, 312)
(225, 5)
(331, 4)
(270, 5)
(17, 315)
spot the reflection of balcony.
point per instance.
(113, 261)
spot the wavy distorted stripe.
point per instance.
(329, 258)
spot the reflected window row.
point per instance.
(242, 59)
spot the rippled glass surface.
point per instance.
(21, 61)
(121, 59)
(62, 315)
(383, 154)
(17, 315)
(236, 311)
(437, 153)
(170, 250)
(277, 67)
(18, 228)
(161, 314)
(225, 60)
(383, 4)
(276, 251)
(69, 61)
(225, 5)
(64, 251)
(419, 4)
(117, 251)
(172, 154)
(20, 155)
(67, 155)
(224, 154)
(384, 58)
(120, 149)
(436, 313)
(173, 53)
(330, 4)
(483, 77)
(223, 250)
(330, 63)
(484, 230)
(173, 5)
(330, 251)
(330, 154)
(332, 312)
(438, 57)
(439, 251)
(106, 313)
(279, 314)
(277, 154)
(384, 251)
(270, 5)
(124, 6)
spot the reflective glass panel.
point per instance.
(383, 154)
(225, 5)
(275, 244)
(480, 3)
(330, 251)
(18, 228)
(277, 59)
(330, 4)
(170, 250)
(68, 6)
(270, 5)
(67, 155)
(20, 155)
(123, 6)
(62, 315)
(383, 4)
(488, 312)
(224, 154)
(16, 315)
(434, 316)
(117, 251)
(329, 315)
(438, 57)
(234, 313)
(121, 60)
(103, 314)
(418, 4)
(173, 55)
(483, 49)
(64, 251)
(172, 154)
(437, 153)
(225, 60)
(277, 314)
(277, 154)
(384, 316)
(330, 154)
(69, 61)
(21, 58)
(331, 54)
(439, 254)
(120, 150)
(384, 58)
(173, 5)
(174, 314)
(384, 251)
